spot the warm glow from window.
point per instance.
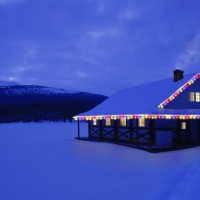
(94, 122)
(191, 96)
(141, 122)
(183, 125)
(197, 97)
(123, 122)
(108, 122)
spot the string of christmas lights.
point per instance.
(175, 94)
(115, 117)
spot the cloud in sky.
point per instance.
(191, 53)
(9, 1)
(97, 46)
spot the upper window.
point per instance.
(141, 122)
(108, 122)
(194, 96)
(122, 121)
(197, 97)
(191, 96)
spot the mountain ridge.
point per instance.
(39, 89)
(28, 103)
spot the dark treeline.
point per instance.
(32, 98)
(41, 111)
(23, 103)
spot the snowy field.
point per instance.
(43, 161)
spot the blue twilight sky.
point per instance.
(98, 46)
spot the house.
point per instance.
(158, 114)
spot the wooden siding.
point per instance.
(168, 123)
(182, 101)
(194, 131)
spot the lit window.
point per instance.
(197, 97)
(183, 125)
(191, 96)
(108, 122)
(123, 122)
(141, 122)
(94, 122)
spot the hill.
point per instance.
(29, 103)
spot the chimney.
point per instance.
(178, 75)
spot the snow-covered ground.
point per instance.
(43, 161)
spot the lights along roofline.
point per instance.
(145, 116)
(177, 92)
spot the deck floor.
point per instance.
(153, 149)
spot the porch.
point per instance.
(146, 138)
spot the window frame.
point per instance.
(108, 122)
(191, 96)
(123, 122)
(94, 122)
(183, 126)
(197, 96)
(141, 122)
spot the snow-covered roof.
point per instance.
(144, 99)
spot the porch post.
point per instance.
(89, 129)
(151, 132)
(101, 129)
(188, 131)
(178, 132)
(78, 129)
(198, 129)
(136, 121)
(116, 129)
(131, 130)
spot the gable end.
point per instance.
(180, 99)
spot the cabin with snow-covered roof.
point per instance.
(161, 113)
